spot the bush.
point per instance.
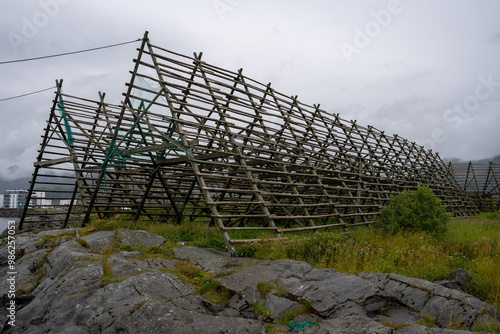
(417, 210)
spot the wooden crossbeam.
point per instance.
(52, 162)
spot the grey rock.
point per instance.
(238, 303)
(131, 253)
(46, 328)
(460, 277)
(109, 307)
(25, 243)
(124, 266)
(61, 240)
(265, 271)
(427, 330)
(353, 325)
(3, 315)
(68, 255)
(407, 293)
(399, 316)
(349, 308)
(450, 312)
(161, 263)
(58, 303)
(55, 233)
(229, 312)
(278, 306)
(447, 305)
(29, 271)
(100, 240)
(327, 289)
(166, 317)
(448, 284)
(212, 260)
(458, 280)
(308, 318)
(139, 238)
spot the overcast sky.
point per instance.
(428, 70)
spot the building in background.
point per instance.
(14, 198)
(38, 200)
(1, 201)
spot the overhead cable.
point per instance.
(67, 53)
(38, 91)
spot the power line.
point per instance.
(67, 53)
(38, 91)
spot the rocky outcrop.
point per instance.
(13, 213)
(78, 285)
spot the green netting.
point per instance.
(142, 100)
(114, 158)
(300, 325)
(60, 106)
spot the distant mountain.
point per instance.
(22, 183)
(495, 160)
(58, 190)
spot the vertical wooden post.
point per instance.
(115, 135)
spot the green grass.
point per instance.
(264, 288)
(204, 283)
(288, 316)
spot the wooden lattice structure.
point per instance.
(75, 142)
(481, 181)
(193, 141)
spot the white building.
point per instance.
(15, 198)
(65, 202)
(38, 200)
(1, 201)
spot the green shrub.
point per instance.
(417, 210)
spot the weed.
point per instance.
(428, 321)
(393, 324)
(83, 243)
(281, 292)
(272, 329)
(264, 288)
(288, 316)
(206, 286)
(260, 308)
(126, 248)
(82, 289)
(107, 277)
(138, 305)
(487, 326)
(155, 250)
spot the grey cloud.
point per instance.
(494, 39)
